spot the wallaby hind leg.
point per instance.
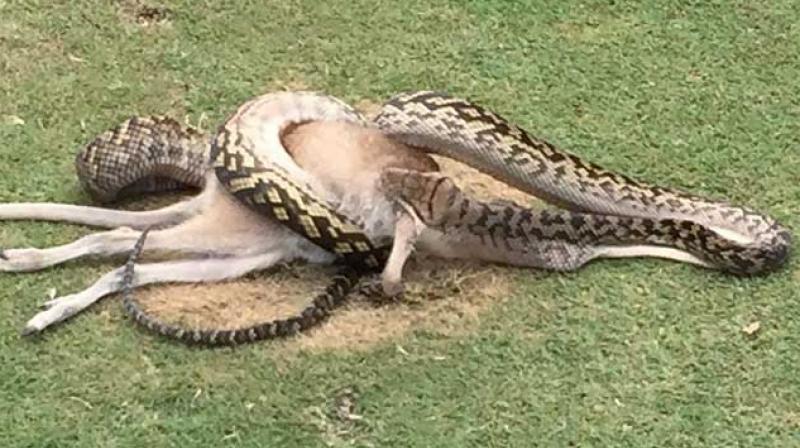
(185, 271)
(32, 259)
(119, 241)
(109, 243)
(195, 237)
(222, 228)
(99, 216)
(111, 218)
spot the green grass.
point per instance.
(698, 95)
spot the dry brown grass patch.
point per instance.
(442, 297)
(445, 297)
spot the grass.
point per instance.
(698, 95)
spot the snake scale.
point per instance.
(600, 207)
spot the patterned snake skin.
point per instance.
(320, 308)
(156, 153)
(143, 154)
(461, 130)
(603, 208)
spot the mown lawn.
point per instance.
(698, 95)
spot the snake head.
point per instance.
(431, 196)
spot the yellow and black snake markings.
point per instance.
(464, 131)
(142, 154)
(268, 191)
(603, 207)
(320, 308)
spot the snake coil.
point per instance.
(603, 207)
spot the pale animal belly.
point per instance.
(345, 161)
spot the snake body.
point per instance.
(602, 207)
(731, 238)
(156, 153)
(141, 155)
(320, 307)
(251, 163)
